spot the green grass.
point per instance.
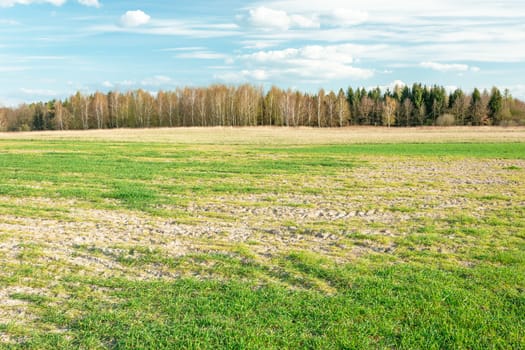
(478, 150)
(401, 306)
(427, 271)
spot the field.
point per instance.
(263, 238)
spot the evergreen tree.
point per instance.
(495, 106)
(419, 105)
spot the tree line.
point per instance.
(248, 105)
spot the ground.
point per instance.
(263, 237)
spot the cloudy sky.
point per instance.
(52, 48)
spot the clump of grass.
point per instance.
(512, 167)
(134, 195)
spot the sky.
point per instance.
(52, 48)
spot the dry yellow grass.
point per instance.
(291, 136)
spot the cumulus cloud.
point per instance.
(284, 18)
(488, 32)
(314, 62)
(134, 18)
(395, 84)
(334, 53)
(257, 74)
(269, 19)
(244, 76)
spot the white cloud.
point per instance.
(202, 55)
(335, 53)
(158, 80)
(266, 18)
(269, 19)
(196, 52)
(257, 74)
(230, 77)
(41, 58)
(134, 18)
(272, 56)
(188, 48)
(89, 3)
(430, 30)
(260, 44)
(445, 67)
(347, 17)
(9, 22)
(304, 22)
(244, 76)
(126, 83)
(314, 62)
(154, 82)
(404, 8)
(10, 3)
(396, 83)
(39, 92)
(194, 29)
(390, 86)
(8, 69)
(307, 14)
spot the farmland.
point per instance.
(263, 238)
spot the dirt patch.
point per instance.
(385, 200)
(12, 309)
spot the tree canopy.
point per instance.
(248, 105)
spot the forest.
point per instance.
(249, 105)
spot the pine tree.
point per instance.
(495, 106)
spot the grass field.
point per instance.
(263, 238)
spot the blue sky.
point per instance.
(53, 48)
